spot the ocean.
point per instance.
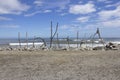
(5, 41)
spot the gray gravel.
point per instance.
(60, 65)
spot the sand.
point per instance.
(60, 65)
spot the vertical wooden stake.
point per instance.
(34, 42)
(68, 42)
(26, 40)
(51, 36)
(77, 38)
(58, 45)
(19, 39)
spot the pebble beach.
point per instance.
(60, 65)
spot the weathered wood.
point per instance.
(77, 39)
(68, 42)
(26, 40)
(53, 35)
(55, 31)
(41, 40)
(19, 39)
(58, 44)
(99, 36)
(34, 42)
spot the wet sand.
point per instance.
(60, 65)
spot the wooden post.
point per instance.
(19, 39)
(58, 45)
(77, 38)
(51, 35)
(85, 38)
(26, 40)
(34, 42)
(68, 42)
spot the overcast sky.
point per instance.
(34, 17)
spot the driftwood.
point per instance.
(53, 35)
(77, 39)
(68, 42)
(99, 37)
(41, 39)
(58, 44)
(26, 40)
(19, 39)
(111, 46)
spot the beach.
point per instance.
(59, 39)
(60, 65)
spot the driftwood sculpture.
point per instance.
(97, 33)
(40, 39)
(43, 46)
(100, 40)
(99, 36)
(53, 35)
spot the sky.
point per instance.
(35, 16)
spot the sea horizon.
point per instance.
(15, 40)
